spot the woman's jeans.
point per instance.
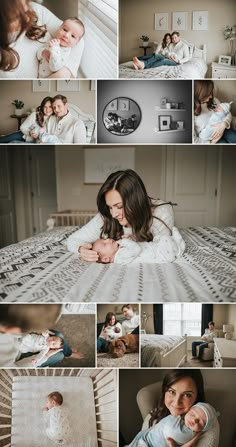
(102, 345)
(229, 136)
(16, 136)
(155, 60)
(202, 345)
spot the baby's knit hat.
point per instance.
(210, 412)
(226, 106)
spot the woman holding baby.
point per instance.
(205, 106)
(24, 29)
(125, 211)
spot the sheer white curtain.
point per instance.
(182, 318)
(100, 53)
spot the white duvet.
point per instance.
(153, 346)
(195, 68)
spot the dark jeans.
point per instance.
(102, 345)
(155, 60)
(229, 136)
(201, 344)
(16, 136)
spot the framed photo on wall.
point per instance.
(161, 21)
(164, 122)
(123, 104)
(200, 20)
(179, 21)
(68, 85)
(112, 106)
(41, 86)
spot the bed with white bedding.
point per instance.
(163, 350)
(42, 269)
(195, 68)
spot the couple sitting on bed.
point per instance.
(130, 227)
(51, 123)
(20, 347)
(172, 51)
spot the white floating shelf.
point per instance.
(158, 109)
(156, 130)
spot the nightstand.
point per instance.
(224, 352)
(145, 49)
(220, 71)
(19, 119)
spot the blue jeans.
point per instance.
(229, 136)
(201, 344)
(16, 136)
(102, 345)
(155, 60)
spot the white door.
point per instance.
(7, 203)
(43, 185)
(191, 182)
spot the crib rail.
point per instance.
(105, 397)
(5, 407)
(69, 218)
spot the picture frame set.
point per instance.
(119, 104)
(180, 21)
(44, 86)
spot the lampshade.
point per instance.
(228, 327)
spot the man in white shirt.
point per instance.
(131, 323)
(178, 50)
(63, 124)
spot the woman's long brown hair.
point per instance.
(170, 379)
(138, 206)
(203, 89)
(12, 10)
(163, 44)
(39, 111)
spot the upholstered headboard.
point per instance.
(88, 120)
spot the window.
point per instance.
(100, 21)
(182, 318)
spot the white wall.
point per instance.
(137, 18)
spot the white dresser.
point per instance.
(220, 71)
(224, 352)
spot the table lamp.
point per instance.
(228, 329)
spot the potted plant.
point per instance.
(145, 40)
(18, 106)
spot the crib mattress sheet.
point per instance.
(29, 395)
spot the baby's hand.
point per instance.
(191, 443)
(45, 409)
(46, 54)
(54, 43)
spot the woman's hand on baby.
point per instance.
(191, 443)
(54, 43)
(46, 54)
(34, 135)
(218, 132)
(87, 254)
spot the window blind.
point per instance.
(182, 318)
(100, 20)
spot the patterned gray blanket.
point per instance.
(40, 269)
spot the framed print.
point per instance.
(101, 162)
(179, 21)
(200, 20)
(161, 21)
(224, 60)
(68, 85)
(41, 86)
(112, 106)
(164, 122)
(123, 104)
(93, 84)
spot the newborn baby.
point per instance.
(42, 136)
(200, 418)
(38, 343)
(56, 417)
(218, 115)
(56, 53)
(125, 251)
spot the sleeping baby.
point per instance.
(200, 418)
(219, 114)
(56, 418)
(55, 54)
(125, 251)
(41, 344)
(40, 136)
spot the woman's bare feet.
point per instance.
(76, 355)
(138, 65)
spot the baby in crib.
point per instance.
(42, 344)
(219, 113)
(40, 136)
(56, 419)
(54, 55)
(126, 251)
(200, 418)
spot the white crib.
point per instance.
(69, 218)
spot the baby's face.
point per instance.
(219, 108)
(54, 342)
(195, 419)
(105, 247)
(69, 33)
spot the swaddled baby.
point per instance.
(218, 115)
(42, 136)
(200, 418)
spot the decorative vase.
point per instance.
(19, 112)
(145, 43)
